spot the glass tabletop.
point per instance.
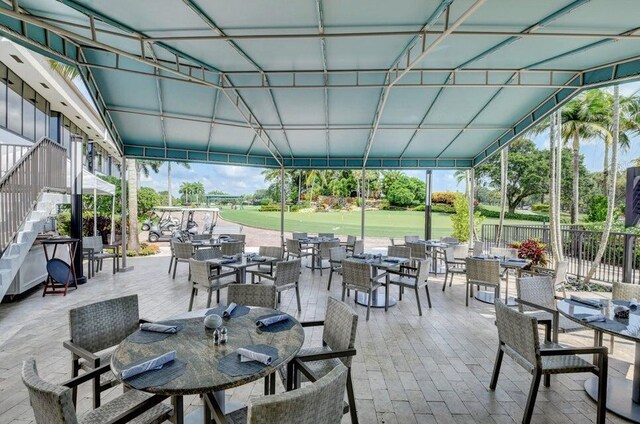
(628, 328)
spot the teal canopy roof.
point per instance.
(330, 83)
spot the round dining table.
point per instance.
(194, 345)
(623, 395)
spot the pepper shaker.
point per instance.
(216, 337)
(223, 335)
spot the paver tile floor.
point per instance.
(408, 369)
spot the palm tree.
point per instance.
(133, 241)
(504, 165)
(67, 72)
(145, 167)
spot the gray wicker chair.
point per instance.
(507, 252)
(411, 277)
(173, 252)
(317, 403)
(327, 235)
(450, 240)
(559, 274)
(207, 253)
(338, 348)
(183, 252)
(348, 245)
(358, 247)
(53, 404)
(454, 263)
(482, 272)
(286, 277)
(232, 247)
(298, 236)
(94, 329)
(268, 251)
(478, 248)
(418, 250)
(324, 251)
(203, 237)
(518, 338)
(623, 291)
(399, 251)
(336, 256)
(537, 298)
(203, 279)
(99, 255)
(358, 276)
(263, 295)
(411, 239)
(294, 249)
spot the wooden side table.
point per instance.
(56, 284)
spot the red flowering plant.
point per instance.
(532, 249)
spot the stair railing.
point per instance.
(42, 168)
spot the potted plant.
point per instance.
(532, 249)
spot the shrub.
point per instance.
(145, 250)
(399, 195)
(460, 219)
(597, 208)
(269, 208)
(444, 197)
(532, 249)
(436, 208)
(508, 215)
(540, 207)
(265, 202)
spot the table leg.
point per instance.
(215, 406)
(178, 410)
(241, 276)
(377, 301)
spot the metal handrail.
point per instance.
(42, 168)
(10, 154)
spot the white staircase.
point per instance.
(17, 251)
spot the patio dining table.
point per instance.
(241, 263)
(378, 263)
(316, 260)
(507, 264)
(435, 247)
(205, 364)
(623, 395)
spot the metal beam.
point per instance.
(159, 93)
(325, 76)
(213, 117)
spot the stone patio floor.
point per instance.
(408, 369)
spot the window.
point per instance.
(89, 156)
(41, 117)
(29, 113)
(3, 95)
(14, 103)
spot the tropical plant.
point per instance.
(133, 241)
(504, 166)
(597, 208)
(532, 249)
(460, 219)
(67, 72)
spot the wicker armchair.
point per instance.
(358, 276)
(298, 236)
(338, 348)
(537, 298)
(323, 251)
(207, 253)
(173, 252)
(411, 277)
(478, 248)
(294, 249)
(623, 291)
(232, 247)
(358, 247)
(183, 252)
(454, 263)
(203, 237)
(411, 239)
(95, 328)
(418, 250)
(507, 252)
(348, 245)
(53, 404)
(450, 240)
(482, 272)
(336, 256)
(399, 251)
(320, 402)
(203, 279)
(286, 277)
(518, 338)
(327, 235)
(271, 252)
(263, 295)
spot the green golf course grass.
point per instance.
(377, 223)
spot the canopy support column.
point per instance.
(76, 205)
(427, 203)
(123, 222)
(362, 202)
(95, 211)
(471, 189)
(282, 204)
(113, 220)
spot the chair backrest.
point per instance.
(287, 272)
(317, 403)
(504, 251)
(293, 246)
(418, 250)
(356, 273)
(351, 240)
(297, 236)
(325, 248)
(460, 251)
(239, 237)
(200, 272)
(52, 404)
(337, 254)
(392, 241)
(518, 333)
(483, 270)
(263, 295)
(340, 325)
(625, 291)
(358, 247)
(478, 248)
(171, 243)
(207, 253)
(232, 248)
(328, 235)
(201, 237)
(182, 250)
(100, 325)
(560, 276)
(399, 251)
(271, 251)
(450, 240)
(423, 265)
(411, 239)
(538, 289)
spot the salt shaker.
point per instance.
(223, 335)
(216, 337)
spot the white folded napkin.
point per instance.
(227, 312)
(594, 318)
(590, 302)
(633, 303)
(151, 364)
(247, 355)
(265, 322)
(158, 328)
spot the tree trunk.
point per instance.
(611, 185)
(169, 183)
(553, 209)
(605, 168)
(558, 184)
(504, 163)
(133, 241)
(576, 179)
(299, 186)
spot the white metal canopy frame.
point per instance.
(329, 83)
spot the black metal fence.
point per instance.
(620, 263)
